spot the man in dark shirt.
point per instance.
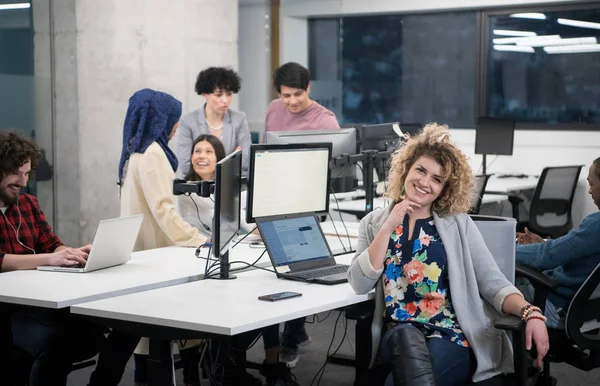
(53, 338)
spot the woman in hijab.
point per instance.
(146, 174)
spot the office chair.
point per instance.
(550, 211)
(579, 344)
(499, 234)
(478, 191)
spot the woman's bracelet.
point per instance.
(536, 316)
(528, 309)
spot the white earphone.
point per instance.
(18, 228)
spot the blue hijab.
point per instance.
(150, 118)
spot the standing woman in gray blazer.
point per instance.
(217, 85)
(438, 288)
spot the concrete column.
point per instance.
(111, 49)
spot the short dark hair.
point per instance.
(15, 151)
(597, 167)
(291, 75)
(219, 152)
(217, 78)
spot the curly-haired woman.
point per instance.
(217, 85)
(438, 288)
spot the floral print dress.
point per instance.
(416, 283)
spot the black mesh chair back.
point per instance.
(550, 212)
(478, 190)
(583, 317)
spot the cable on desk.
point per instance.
(242, 239)
(337, 203)
(206, 227)
(215, 267)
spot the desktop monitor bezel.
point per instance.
(480, 135)
(219, 245)
(343, 178)
(250, 218)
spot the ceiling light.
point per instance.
(526, 40)
(505, 32)
(580, 48)
(578, 23)
(560, 42)
(526, 49)
(6, 7)
(529, 15)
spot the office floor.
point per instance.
(334, 375)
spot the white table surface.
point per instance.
(226, 307)
(510, 184)
(145, 271)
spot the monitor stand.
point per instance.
(483, 164)
(223, 268)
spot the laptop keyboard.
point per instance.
(314, 273)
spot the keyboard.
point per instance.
(314, 273)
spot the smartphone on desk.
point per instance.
(279, 296)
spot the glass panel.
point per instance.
(26, 90)
(544, 67)
(406, 68)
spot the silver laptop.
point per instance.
(298, 249)
(112, 245)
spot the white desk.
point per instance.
(224, 307)
(510, 184)
(145, 271)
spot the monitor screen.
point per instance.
(494, 136)
(343, 178)
(385, 136)
(288, 179)
(226, 218)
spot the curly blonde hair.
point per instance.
(434, 141)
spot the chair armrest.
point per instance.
(510, 323)
(535, 277)
(516, 326)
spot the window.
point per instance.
(406, 68)
(26, 87)
(543, 66)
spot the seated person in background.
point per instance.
(52, 337)
(217, 85)
(207, 150)
(146, 174)
(569, 259)
(198, 211)
(438, 288)
(294, 110)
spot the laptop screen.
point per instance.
(293, 240)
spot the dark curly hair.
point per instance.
(217, 78)
(15, 151)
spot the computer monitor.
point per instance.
(343, 178)
(226, 218)
(385, 136)
(288, 179)
(494, 136)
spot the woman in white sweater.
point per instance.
(146, 172)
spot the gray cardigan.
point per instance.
(192, 125)
(476, 283)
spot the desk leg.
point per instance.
(160, 364)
